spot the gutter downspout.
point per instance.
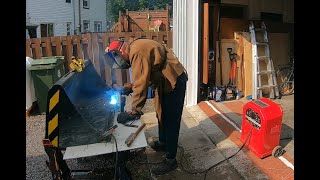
(79, 28)
(74, 17)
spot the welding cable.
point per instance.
(207, 170)
(116, 163)
(291, 138)
(249, 134)
(204, 171)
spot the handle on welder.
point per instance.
(133, 136)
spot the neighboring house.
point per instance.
(191, 43)
(61, 17)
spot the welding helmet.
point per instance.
(114, 52)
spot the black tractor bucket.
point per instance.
(80, 108)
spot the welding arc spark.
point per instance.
(113, 99)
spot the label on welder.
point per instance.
(260, 103)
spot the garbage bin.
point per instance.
(45, 72)
(30, 92)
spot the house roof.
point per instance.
(28, 24)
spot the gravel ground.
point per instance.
(36, 168)
(35, 154)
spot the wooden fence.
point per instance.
(93, 46)
(135, 21)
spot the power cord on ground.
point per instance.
(116, 163)
(213, 166)
(207, 170)
(291, 138)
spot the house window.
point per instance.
(68, 28)
(86, 25)
(85, 4)
(68, 1)
(97, 26)
(46, 30)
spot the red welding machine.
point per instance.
(264, 117)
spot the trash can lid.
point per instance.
(46, 62)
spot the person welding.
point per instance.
(153, 65)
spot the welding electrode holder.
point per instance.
(125, 117)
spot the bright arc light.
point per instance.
(113, 99)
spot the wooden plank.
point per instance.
(101, 56)
(68, 50)
(126, 22)
(28, 48)
(120, 21)
(218, 66)
(57, 42)
(128, 76)
(160, 37)
(89, 49)
(239, 51)
(138, 34)
(76, 41)
(106, 40)
(106, 68)
(108, 75)
(229, 25)
(205, 43)
(214, 36)
(157, 36)
(169, 39)
(247, 57)
(149, 35)
(119, 77)
(225, 59)
(167, 21)
(279, 48)
(36, 50)
(95, 53)
(48, 48)
(127, 36)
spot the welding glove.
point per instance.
(127, 89)
(125, 117)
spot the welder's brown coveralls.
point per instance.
(152, 64)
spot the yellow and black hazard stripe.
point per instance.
(52, 117)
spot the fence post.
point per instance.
(68, 50)
(89, 47)
(76, 41)
(35, 44)
(28, 50)
(95, 53)
(57, 41)
(47, 45)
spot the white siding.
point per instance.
(59, 12)
(50, 11)
(185, 43)
(96, 12)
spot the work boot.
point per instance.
(158, 146)
(166, 166)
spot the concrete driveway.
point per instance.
(210, 133)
